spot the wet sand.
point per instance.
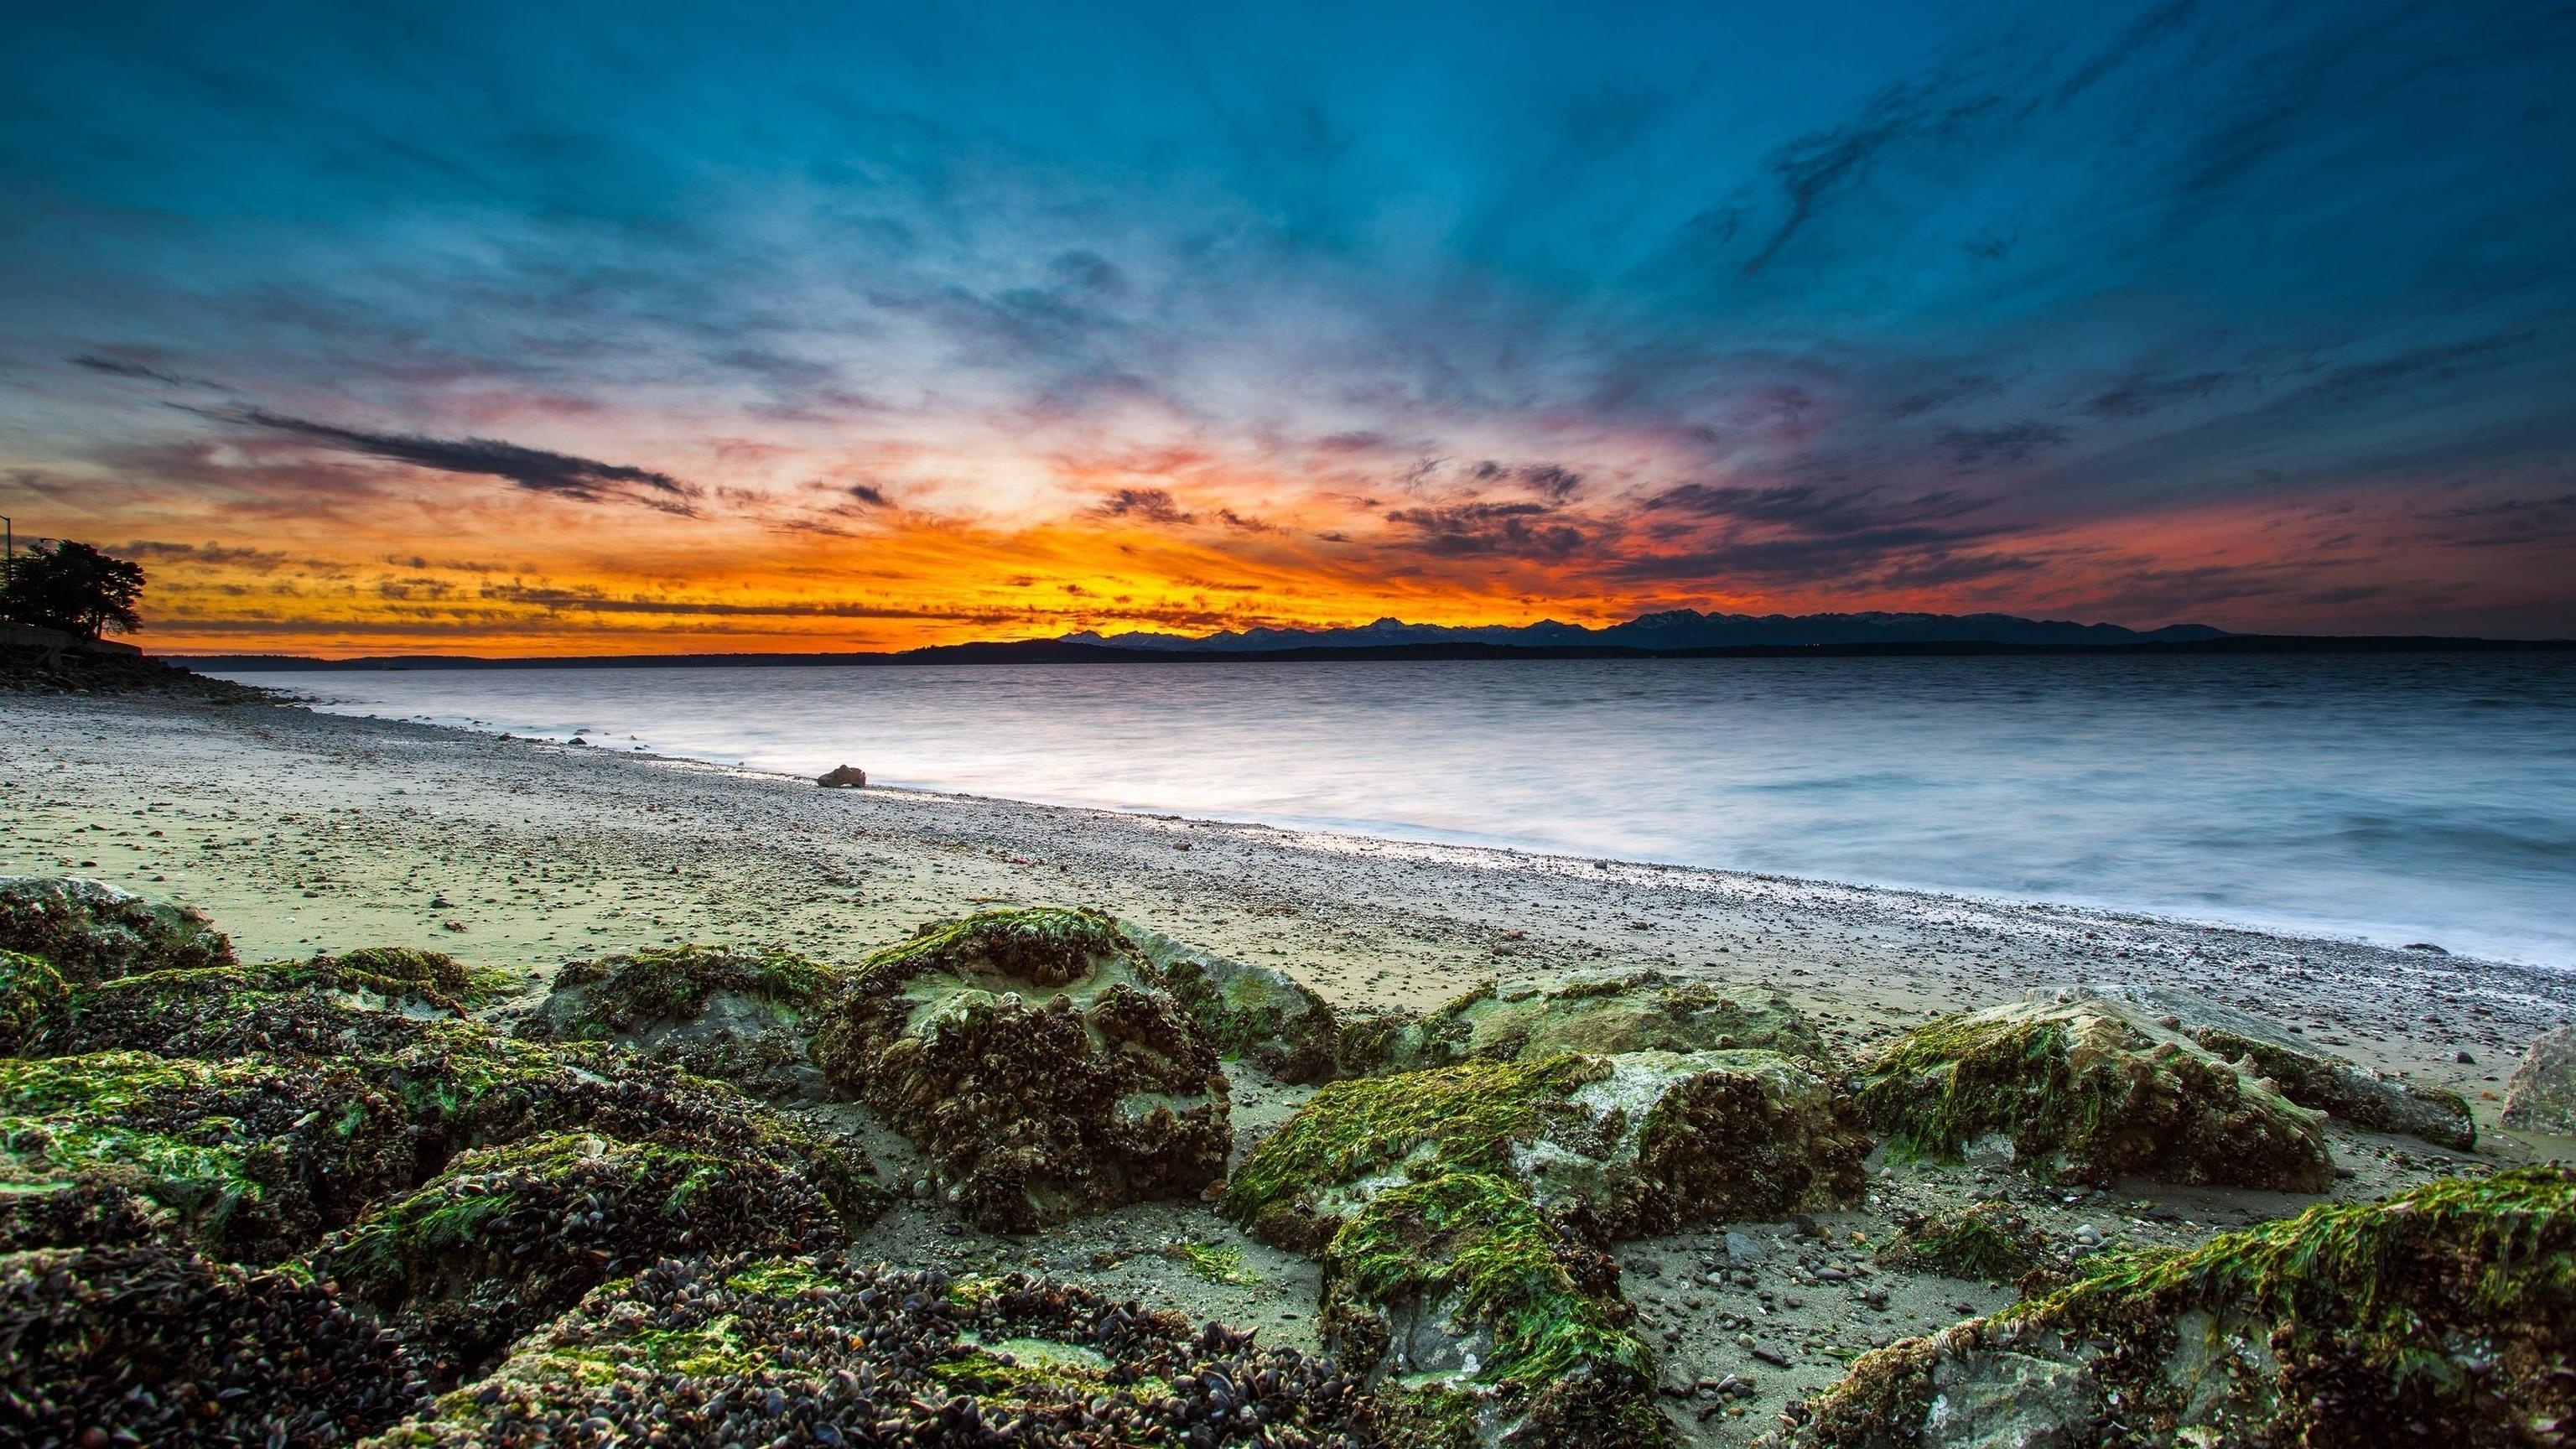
(296, 831)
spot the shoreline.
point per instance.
(2517, 950)
(1369, 918)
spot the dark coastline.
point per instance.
(1051, 651)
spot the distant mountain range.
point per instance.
(1676, 629)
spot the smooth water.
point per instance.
(2395, 798)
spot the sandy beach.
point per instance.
(297, 831)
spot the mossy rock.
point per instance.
(2079, 1090)
(507, 1237)
(2299, 1070)
(758, 1351)
(92, 931)
(1637, 1143)
(1986, 1241)
(42, 1206)
(1257, 1014)
(254, 1159)
(32, 995)
(2541, 1095)
(1602, 1014)
(2446, 1314)
(1031, 1055)
(1478, 1318)
(325, 1007)
(741, 1016)
(150, 1344)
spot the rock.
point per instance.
(2083, 1091)
(363, 1001)
(1989, 1241)
(1032, 1055)
(2449, 1310)
(1603, 1014)
(2304, 1073)
(1638, 1143)
(507, 1237)
(1477, 1318)
(843, 777)
(32, 996)
(739, 1016)
(2540, 1096)
(1254, 1013)
(150, 1344)
(90, 931)
(821, 1350)
(1744, 1250)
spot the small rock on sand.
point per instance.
(843, 777)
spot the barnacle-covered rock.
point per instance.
(146, 1343)
(2541, 1095)
(1254, 1013)
(92, 931)
(328, 1006)
(252, 1158)
(1477, 1317)
(32, 994)
(507, 1237)
(1031, 1055)
(1636, 1143)
(1990, 1241)
(738, 1015)
(2299, 1070)
(1601, 1013)
(816, 1350)
(2442, 1315)
(2078, 1088)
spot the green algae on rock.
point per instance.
(1031, 1055)
(146, 1343)
(91, 931)
(326, 1006)
(1636, 1143)
(1988, 1241)
(506, 1237)
(2446, 1314)
(2076, 1088)
(32, 994)
(736, 1015)
(2301, 1071)
(1602, 1014)
(2541, 1095)
(817, 1350)
(1478, 1318)
(1254, 1013)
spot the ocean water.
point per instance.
(2389, 798)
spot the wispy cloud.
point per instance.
(559, 475)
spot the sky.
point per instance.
(580, 328)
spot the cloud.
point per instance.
(2006, 446)
(869, 494)
(1152, 505)
(560, 475)
(121, 367)
(1518, 530)
(214, 554)
(1812, 168)
(2142, 394)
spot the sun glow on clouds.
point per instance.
(912, 332)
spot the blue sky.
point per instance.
(2256, 315)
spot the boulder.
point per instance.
(741, 1016)
(1033, 1056)
(147, 1343)
(326, 1006)
(2078, 1089)
(1601, 1013)
(1637, 1143)
(1254, 1013)
(843, 777)
(733, 1350)
(2302, 1071)
(1988, 1241)
(507, 1237)
(2541, 1094)
(2442, 1315)
(91, 931)
(1476, 1317)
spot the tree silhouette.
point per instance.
(72, 587)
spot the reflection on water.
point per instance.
(2400, 798)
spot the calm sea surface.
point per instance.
(2402, 798)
